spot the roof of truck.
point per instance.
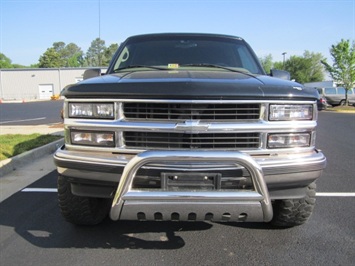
(187, 34)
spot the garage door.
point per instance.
(45, 91)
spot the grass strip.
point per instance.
(343, 108)
(15, 144)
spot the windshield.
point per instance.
(186, 52)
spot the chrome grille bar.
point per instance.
(163, 140)
(148, 111)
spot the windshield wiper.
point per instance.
(244, 71)
(139, 66)
(237, 70)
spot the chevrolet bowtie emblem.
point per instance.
(192, 126)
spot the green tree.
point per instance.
(95, 55)
(278, 65)
(5, 62)
(19, 66)
(267, 63)
(109, 52)
(34, 65)
(71, 55)
(75, 60)
(306, 68)
(59, 47)
(343, 69)
(50, 59)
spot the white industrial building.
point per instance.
(34, 84)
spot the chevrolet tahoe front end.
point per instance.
(188, 139)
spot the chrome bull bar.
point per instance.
(134, 204)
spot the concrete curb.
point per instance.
(11, 164)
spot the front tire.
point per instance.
(293, 212)
(80, 210)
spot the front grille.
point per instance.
(183, 141)
(191, 111)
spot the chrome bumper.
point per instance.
(109, 167)
(253, 206)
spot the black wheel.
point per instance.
(342, 102)
(293, 212)
(80, 210)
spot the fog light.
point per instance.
(89, 138)
(81, 137)
(104, 138)
(292, 140)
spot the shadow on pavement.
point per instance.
(36, 217)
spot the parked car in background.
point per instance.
(336, 96)
(322, 103)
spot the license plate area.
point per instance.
(190, 181)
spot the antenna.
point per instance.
(99, 55)
(100, 19)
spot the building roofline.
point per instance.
(49, 69)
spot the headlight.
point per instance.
(290, 112)
(292, 140)
(89, 138)
(91, 110)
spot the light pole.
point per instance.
(283, 65)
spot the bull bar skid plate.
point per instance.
(232, 206)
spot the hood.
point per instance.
(177, 84)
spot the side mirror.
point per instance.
(281, 74)
(91, 73)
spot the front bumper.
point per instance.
(285, 176)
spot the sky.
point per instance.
(29, 27)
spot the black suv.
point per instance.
(188, 127)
